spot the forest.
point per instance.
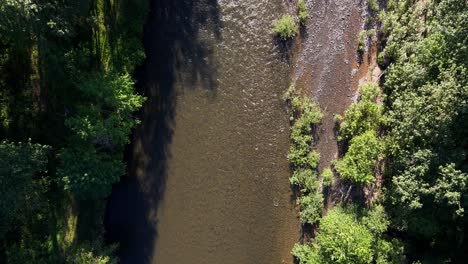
(69, 102)
(66, 111)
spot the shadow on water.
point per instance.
(172, 46)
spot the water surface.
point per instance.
(208, 174)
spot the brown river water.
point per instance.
(208, 176)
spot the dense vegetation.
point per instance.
(359, 127)
(65, 117)
(303, 159)
(351, 235)
(413, 137)
(427, 86)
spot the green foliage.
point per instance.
(88, 174)
(304, 161)
(305, 114)
(327, 176)
(362, 41)
(373, 5)
(306, 179)
(359, 162)
(426, 48)
(350, 235)
(65, 82)
(342, 239)
(18, 186)
(92, 254)
(364, 115)
(106, 118)
(311, 207)
(303, 11)
(37, 253)
(285, 27)
(92, 161)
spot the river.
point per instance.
(208, 175)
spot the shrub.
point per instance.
(311, 207)
(298, 151)
(327, 176)
(364, 115)
(306, 179)
(303, 159)
(308, 114)
(290, 93)
(313, 159)
(303, 11)
(285, 27)
(359, 162)
(373, 5)
(362, 41)
(350, 235)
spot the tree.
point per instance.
(364, 115)
(19, 162)
(359, 162)
(427, 123)
(92, 161)
(351, 235)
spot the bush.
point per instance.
(350, 235)
(303, 11)
(362, 41)
(327, 176)
(364, 115)
(313, 159)
(311, 207)
(373, 5)
(306, 179)
(285, 27)
(307, 114)
(359, 162)
(303, 159)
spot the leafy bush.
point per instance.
(327, 176)
(313, 159)
(307, 114)
(92, 161)
(285, 27)
(88, 174)
(306, 179)
(351, 235)
(92, 254)
(362, 41)
(311, 207)
(364, 115)
(303, 11)
(303, 159)
(359, 162)
(373, 5)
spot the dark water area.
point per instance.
(208, 176)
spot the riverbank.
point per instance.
(327, 67)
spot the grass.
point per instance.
(285, 28)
